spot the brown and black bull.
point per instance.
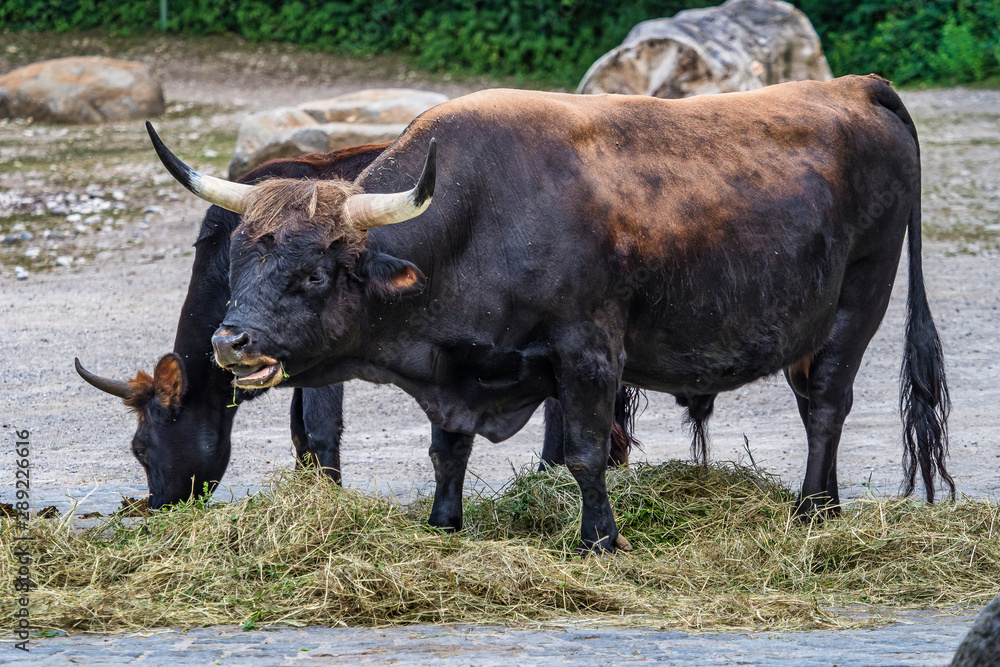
(187, 406)
(575, 243)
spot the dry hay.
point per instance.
(715, 548)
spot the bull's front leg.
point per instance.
(587, 396)
(450, 456)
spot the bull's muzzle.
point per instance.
(229, 346)
(252, 370)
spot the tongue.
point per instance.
(259, 375)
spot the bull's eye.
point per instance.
(317, 278)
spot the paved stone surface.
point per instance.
(920, 638)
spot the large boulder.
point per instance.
(363, 117)
(981, 646)
(740, 45)
(85, 89)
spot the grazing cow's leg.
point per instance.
(552, 447)
(830, 384)
(622, 438)
(450, 455)
(317, 421)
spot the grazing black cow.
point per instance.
(579, 242)
(186, 407)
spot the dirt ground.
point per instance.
(109, 291)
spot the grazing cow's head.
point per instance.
(177, 440)
(300, 258)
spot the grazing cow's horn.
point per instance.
(216, 191)
(119, 388)
(372, 210)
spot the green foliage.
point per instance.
(910, 41)
(907, 41)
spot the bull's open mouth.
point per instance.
(258, 376)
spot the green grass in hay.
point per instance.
(715, 548)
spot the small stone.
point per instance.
(10, 239)
(20, 273)
(81, 229)
(74, 217)
(18, 227)
(32, 252)
(158, 210)
(64, 260)
(118, 195)
(27, 236)
(92, 219)
(208, 152)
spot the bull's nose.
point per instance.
(229, 345)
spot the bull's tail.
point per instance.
(623, 429)
(924, 402)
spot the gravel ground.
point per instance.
(114, 302)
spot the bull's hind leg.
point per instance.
(830, 383)
(450, 456)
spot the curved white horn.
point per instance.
(216, 191)
(365, 211)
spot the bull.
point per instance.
(187, 406)
(580, 242)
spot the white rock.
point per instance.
(375, 105)
(20, 273)
(64, 260)
(74, 217)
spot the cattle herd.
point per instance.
(512, 248)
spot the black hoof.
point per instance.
(816, 508)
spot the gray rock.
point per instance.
(740, 45)
(981, 646)
(81, 90)
(363, 117)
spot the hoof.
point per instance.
(818, 508)
(604, 547)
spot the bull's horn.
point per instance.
(119, 388)
(216, 191)
(365, 211)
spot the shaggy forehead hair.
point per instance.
(286, 207)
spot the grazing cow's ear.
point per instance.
(168, 381)
(389, 277)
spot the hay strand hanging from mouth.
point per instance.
(714, 548)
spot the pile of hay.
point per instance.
(715, 548)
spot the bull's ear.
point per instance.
(169, 382)
(388, 277)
